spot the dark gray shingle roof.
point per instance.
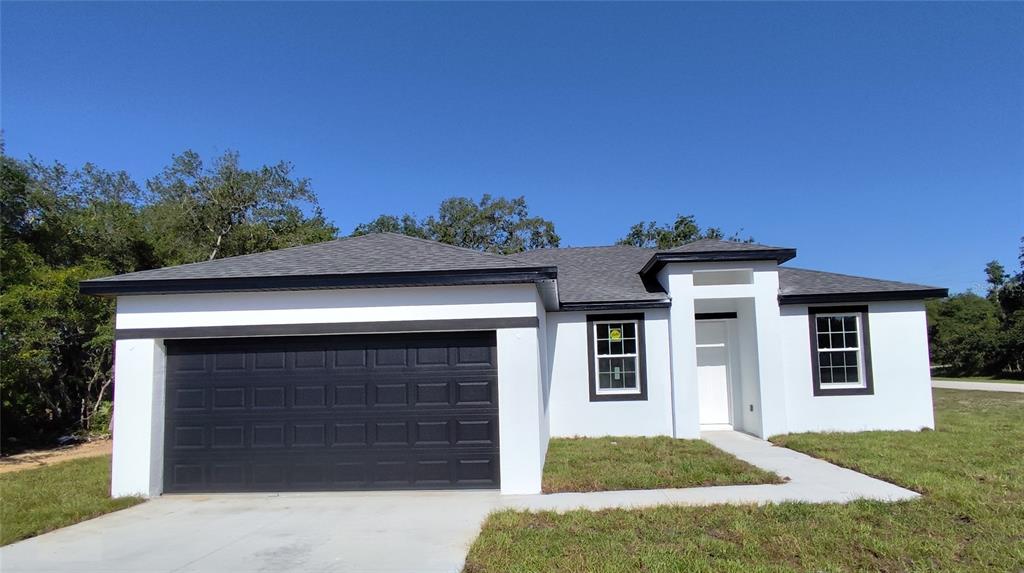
(704, 250)
(611, 274)
(718, 245)
(597, 274)
(585, 274)
(795, 283)
(376, 253)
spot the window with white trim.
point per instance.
(616, 357)
(841, 356)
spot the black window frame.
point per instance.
(641, 358)
(865, 350)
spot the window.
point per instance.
(617, 368)
(840, 355)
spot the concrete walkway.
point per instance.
(987, 386)
(810, 480)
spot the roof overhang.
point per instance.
(841, 297)
(659, 260)
(615, 305)
(318, 282)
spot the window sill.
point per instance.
(844, 391)
(618, 396)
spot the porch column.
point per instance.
(683, 336)
(771, 378)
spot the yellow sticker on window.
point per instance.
(615, 333)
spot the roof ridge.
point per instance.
(848, 275)
(232, 257)
(583, 247)
(712, 240)
(433, 242)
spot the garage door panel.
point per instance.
(324, 352)
(373, 471)
(410, 431)
(252, 393)
(343, 412)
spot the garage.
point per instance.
(312, 413)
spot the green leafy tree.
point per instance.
(964, 333)
(61, 226)
(995, 275)
(972, 335)
(494, 225)
(1009, 295)
(203, 211)
(56, 352)
(404, 225)
(651, 235)
(86, 214)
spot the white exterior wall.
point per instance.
(757, 307)
(572, 412)
(544, 379)
(139, 363)
(319, 306)
(902, 398)
(520, 419)
(138, 456)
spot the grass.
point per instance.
(979, 379)
(39, 500)
(971, 518)
(600, 464)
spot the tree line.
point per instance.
(62, 225)
(981, 335)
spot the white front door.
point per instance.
(713, 372)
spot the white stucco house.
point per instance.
(389, 362)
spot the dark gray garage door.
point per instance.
(409, 411)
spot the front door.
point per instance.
(713, 372)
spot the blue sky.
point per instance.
(878, 139)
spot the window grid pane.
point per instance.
(838, 341)
(617, 351)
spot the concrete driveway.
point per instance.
(357, 532)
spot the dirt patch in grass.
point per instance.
(616, 463)
(40, 458)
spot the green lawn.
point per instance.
(600, 464)
(979, 379)
(971, 518)
(38, 500)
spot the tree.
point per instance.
(651, 235)
(404, 225)
(56, 353)
(86, 214)
(995, 275)
(1009, 295)
(970, 334)
(61, 226)
(494, 225)
(964, 332)
(220, 210)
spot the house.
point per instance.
(389, 362)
